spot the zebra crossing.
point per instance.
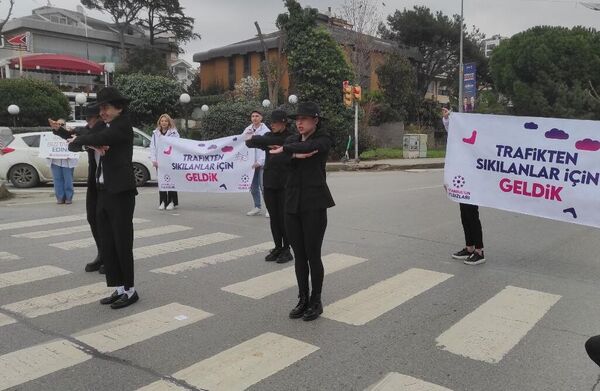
(487, 333)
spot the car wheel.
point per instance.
(23, 175)
(141, 174)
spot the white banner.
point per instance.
(54, 147)
(217, 166)
(543, 167)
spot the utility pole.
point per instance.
(461, 66)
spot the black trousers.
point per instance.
(91, 200)
(167, 197)
(592, 347)
(275, 202)
(305, 231)
(114, 217)
(469, 216)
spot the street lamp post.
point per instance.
(14, 111)
(184, 99)
(460, 65)
(80, 100)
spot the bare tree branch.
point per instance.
(2, 23)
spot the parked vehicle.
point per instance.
(20, 164)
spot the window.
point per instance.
(140, 141)
(54, 19)
(247, 70)
(32, 141)
(63, 20)
(231, 73)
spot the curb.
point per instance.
(381, 167)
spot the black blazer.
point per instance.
(306, 187)
(277, 166)
(99, 126)
(117, 161)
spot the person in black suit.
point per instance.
(115, 184)
(94, 124)
(307, 198)
(274, 177)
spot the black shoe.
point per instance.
(125, 301)
(462, 254)
(475, 259)
(299, 309)
(111, 299)
(102, 270)
(285, 256)
(273, 254)
(314, 309)
(94, 265)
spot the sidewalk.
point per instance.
(387, 164)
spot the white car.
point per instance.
(20, 163)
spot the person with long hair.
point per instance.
(274, 178)
(165, 127)
(62, 173)
(307, 198)
(115, 184)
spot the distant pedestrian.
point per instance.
(275, 175)
(306, 201)
(257, 127)
(472, 253)
(62, 174)
(165, 127)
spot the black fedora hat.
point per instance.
(110, 95)
(307, 109)
(279, 116)
(91, 110)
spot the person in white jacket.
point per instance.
(257, 127)
(165, 127)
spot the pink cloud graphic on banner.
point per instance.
(557, 134)
(588, 145)
(227, 148)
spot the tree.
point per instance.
(11, 4)
(150, 96)
(37, 100)
(550, 71)
(123, 12)
(437, 38)
(147, 60)
(398, 82)
(166, 16)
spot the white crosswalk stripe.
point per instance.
(6, 320)
(370, 303)
(59, 301)
(5, 256)
(181, 245)
(29, 275)
(64, 231)
(144, 233)
(34, 362)
(213, 259)
(39, 222)
(268, 284)
(397, 382)
(494, 328)
(243, 365)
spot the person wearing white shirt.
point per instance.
(257, 127)
(165, 127)
(62, 176)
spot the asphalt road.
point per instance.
(397, 301)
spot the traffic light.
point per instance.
(348, 97)
(357, 91)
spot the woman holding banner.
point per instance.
(472, 253)
(307, 198)
(165, 127)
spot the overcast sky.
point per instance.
(226, 21)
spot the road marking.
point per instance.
(245, 364)
(4, 256)
(29, 275)
(214, 259)
(162, 385)
(495, 327)
(37, 361)
(370, 303)
(140, 327)
(395, 381)
(144, 233)
(64, 231)
(268, 284)
(180, 245)
(59, 301)
(31, 363)
(6, 320)
(38, 222)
